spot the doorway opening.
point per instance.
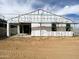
(25, 28)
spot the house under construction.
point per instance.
(40, 23)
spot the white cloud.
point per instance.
(10, 8)
(68, 10)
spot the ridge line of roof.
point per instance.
(42, 10)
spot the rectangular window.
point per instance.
(68, 27)
(54, 27)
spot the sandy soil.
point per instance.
(40, 48)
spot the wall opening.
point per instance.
(68, 27)
(25, 28)
(54, 28)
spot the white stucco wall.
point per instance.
(35, 31)
(41, 16)
(45, 30)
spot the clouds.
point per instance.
(10, 8)
(71, 12)
(37, 5)
(73, 16)
(15, 4)
(58, 3)
(21, 2)
(21, 5)
(68, 10)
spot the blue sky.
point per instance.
(66, 8)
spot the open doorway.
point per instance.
(25, 28)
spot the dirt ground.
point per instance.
(40, 48)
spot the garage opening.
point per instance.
(25, 28)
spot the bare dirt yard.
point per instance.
(40, 48)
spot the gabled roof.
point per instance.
(42, 12)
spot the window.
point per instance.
(68, 27)
(54, 27)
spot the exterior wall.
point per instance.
(62, 33)
(35, 29)
(45, 30)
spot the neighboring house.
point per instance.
(2, 27)
(40, 23)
